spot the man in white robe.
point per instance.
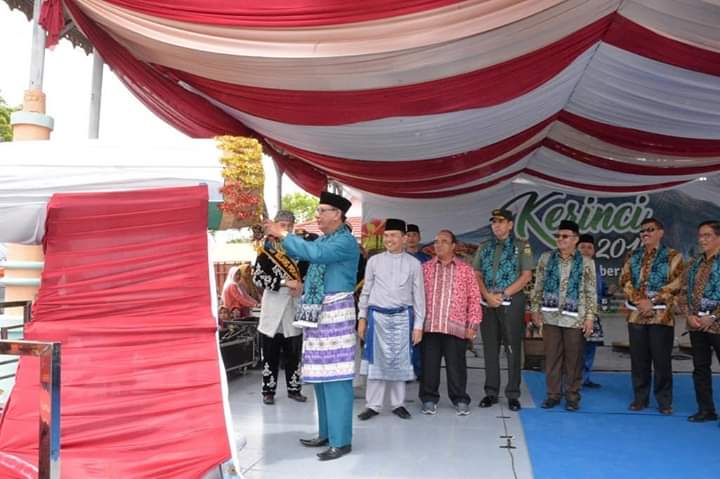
(391, 316)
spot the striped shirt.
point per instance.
(452, 298)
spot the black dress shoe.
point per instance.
(296, 396)
(488, 401)
(268, 399)
(514, 404)
(402, 413)
(591, 385)
(638, 405)
(703, 416)
(315, 442)
(550, 403)
(665, 410)
(334, 453)
(571, 406)
(367, 414)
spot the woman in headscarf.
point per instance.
(234, 295)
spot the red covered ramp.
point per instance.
(126, 291)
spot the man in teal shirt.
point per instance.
(327, 312)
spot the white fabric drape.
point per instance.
(31, 172)
(580, 141)
(627, 90)
(694, 22)
(427, 136)
(556, 165)
(287, 66)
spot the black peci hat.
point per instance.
(413, 229)
(586, 238)
(569, 225)
(339, 202)
(392, 224)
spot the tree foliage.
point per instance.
(302, 204)
(5, 128)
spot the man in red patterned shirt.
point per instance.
(453, 315)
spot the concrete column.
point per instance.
(22, 276)
(24, 263)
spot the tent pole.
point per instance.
(95, 96)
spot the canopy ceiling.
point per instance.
(432, 98)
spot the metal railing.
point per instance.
(4, 330)
(49, 424)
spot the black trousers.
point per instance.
(435, 346)
(504, 324)
(702, 346)
(271, 349)
(651, 349)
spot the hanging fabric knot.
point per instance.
(52, 19)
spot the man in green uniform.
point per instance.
(503, 266)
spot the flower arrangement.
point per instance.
(244, 177)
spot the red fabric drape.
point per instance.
(189, 113)
(603, 188)
(279, 13)
(628, 168)
(400, 189)
(52, 20)
(416, 170)
(125, 289)
(642, 140)
(482, 88)
(630, 36)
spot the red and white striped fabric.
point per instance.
(432, 98)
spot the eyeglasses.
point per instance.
(648, 231)
(563, 236)
(320, 210)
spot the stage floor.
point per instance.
(446, 445)
(386, 446)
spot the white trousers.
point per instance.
(375, 393)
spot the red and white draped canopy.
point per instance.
(431, 98)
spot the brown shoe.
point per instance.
(297, 396)
(638, 405)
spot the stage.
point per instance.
(601, 440)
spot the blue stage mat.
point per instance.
(605, 440)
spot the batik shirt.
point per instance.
(702, 275)
(522, 260)
(664, 295)
(587, 298)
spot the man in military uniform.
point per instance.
(503, 266)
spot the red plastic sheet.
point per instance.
(125, 289)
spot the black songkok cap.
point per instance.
(502, 213)
(413, 228)
(569, 225)
(586, 238)
(392, 224)
(339, 202)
